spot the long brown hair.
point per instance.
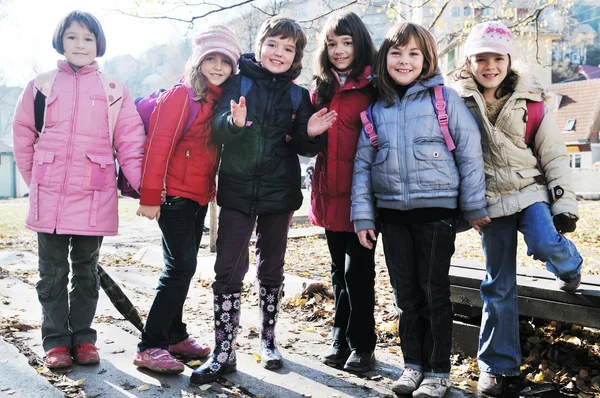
(194, 77)
(398, 36)
(342, 24)
(508, 85)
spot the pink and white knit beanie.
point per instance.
(490, 37)
(216, 39)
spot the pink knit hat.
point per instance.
(490, 37)
(216, 39)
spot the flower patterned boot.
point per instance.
(222, 359)
(269, 298)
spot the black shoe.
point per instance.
(336, 355)
(568, 284)
(360, 361)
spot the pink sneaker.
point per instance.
(86, 354)
(58, 357)
(189, 348)
(157, 360)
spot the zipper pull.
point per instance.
(92, 97)
(187, 154)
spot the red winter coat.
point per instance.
(189, 163)
(332, 182)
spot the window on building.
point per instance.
(456, 11)
(486, 11)
(467, 11)
(575, 160)
(569, 125)
(451, 58)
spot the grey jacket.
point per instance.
(412, 167)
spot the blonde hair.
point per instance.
(195, 79)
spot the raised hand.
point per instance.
(320, 121)
(239, 112)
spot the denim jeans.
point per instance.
(353, 280)
(499, 345)
(232, 263)
(181, 223)
(67, 315)
(418, 260)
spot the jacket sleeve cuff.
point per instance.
(361, 225)
(150, 197)
(475, 214)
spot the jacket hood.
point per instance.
(250, 67)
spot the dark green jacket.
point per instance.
(260, 170)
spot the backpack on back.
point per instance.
(145, 107)
(535, 114)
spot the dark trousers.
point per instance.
(67, 315)
(353, 280)
(181, 223)
(418, 260)
(235, 230)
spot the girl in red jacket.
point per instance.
(342, 83)
(186, 165)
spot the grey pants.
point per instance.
(235, 230)
(68, 314)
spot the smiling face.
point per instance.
(277, 54)
(490, 70)
(340, 52)
(79, 45)
(405, 63)
(216, 68)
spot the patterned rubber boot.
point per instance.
(269, 298)
(223, 359)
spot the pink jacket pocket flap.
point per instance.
(102, 160)
(40, 156)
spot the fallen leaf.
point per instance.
(193, 363)
(256, 357)
(143, 387)
(80, 382)
(205, 387)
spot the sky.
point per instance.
(27, 26)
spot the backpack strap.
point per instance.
(193, 110)
(296, 94)
(366, 118)
(535, 115)
(114, 93)
(42, 86)
(246, 85)
(439, 105)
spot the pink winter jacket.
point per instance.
(71, 169)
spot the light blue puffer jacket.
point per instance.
(412, 167)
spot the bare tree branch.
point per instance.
(312, 20)
(437, 17)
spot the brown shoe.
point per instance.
(490, 384)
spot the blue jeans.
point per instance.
(418, 260)
(67, 315)
(181, 223)
(499, 345)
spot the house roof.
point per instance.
(579, 101)
(589, 71)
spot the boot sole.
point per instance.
(360, 369)
(209, 378)
(158, 369)
(272, 364)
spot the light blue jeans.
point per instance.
(499, 345)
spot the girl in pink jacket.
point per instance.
(70, 169)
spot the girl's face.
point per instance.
(340, 52)
(405, 63)
(489, 69)
(79, 45)
(277, 54)
(216, 68)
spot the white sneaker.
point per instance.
(408, 382)
(432, 387)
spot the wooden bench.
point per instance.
(538, 294)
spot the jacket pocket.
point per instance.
(42, 167)
(435, 164)
(99, 172)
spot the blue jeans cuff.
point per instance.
(414, 366)
(487, 369)
(433, 374)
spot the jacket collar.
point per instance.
(214, 93)
(421, 85)
(64, 66)
(358, 82)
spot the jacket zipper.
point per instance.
(187, 156)
(69, 150)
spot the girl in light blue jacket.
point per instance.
(416, 180)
